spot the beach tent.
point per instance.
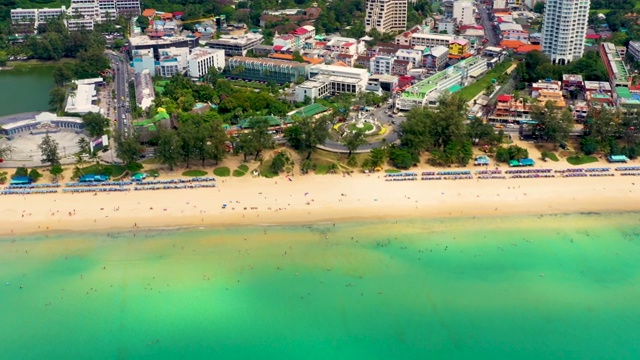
(482, 160)
(527, 162)
(93, 178)
(514, 163)
(617, 158)
(138, 177)
(21, 180)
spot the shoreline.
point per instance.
(311, 200)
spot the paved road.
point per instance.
(489, 31)
(118, 63)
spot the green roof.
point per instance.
(455, 88)
(159, 116)
(311, 110)
(273, 121)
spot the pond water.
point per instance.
(25, 89)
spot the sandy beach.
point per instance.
(312, 199)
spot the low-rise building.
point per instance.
(202, 59)
(143, 60)
(429, 40)
(381, 64)
(328, 80)
(617, 70)
(236, 45)
(546, 85)
(84, 99)
(383, 82)
(634, 50)
(458, 48)
(572, 82)
(172, 61)
(428, 91)
(554, 96)
(509, 109)
(157, 44)
(266, 69)
(145, 94)
(400, 67)
(435, 59)
(412, 55)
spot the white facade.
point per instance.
(499, 4)
(412, 55)
(634, 50)
(430, 40)
(145, 94)
(463, 12)
(172, 61)
(381, 64)
(83, 100)
(312, 89)
(386, 15)
(82, 14)
(564, 29)
(143, 60)
(202, 59)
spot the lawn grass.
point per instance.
(392, 171)
(238, 173)
(104, 169)
(243, 167)
(322, 169)
(194, 173)
(469, 92)
(222, 171)
(550, 155)
(153, 172)
(581, 159)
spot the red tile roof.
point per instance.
(504, 98)
(527, 48)
(511, 44)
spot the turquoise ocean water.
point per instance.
(540, 287)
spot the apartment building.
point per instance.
(435, 59)
(463, 12)
(564, 29)
(430, 40)
(386, 15)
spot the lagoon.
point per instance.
(25, 89)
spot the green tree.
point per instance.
(128, 148)
(142, 22)
(552, 125)
(62, 74)
(377, 157)
(49, 150)
(3, 58)
(279, 162)
(603, 126)
(188, 135)
(56, 170)
(353, 140)
(83, 145)
(402, 158)
(57, 97)
(297, 57)
(216, 147)
(95, 123)
(307, 134)
(168, 150)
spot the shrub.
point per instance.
(588, 145)
(135, 166)
(20, 172)
(34, 175)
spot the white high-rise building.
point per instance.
(386, 15)
(463, 12)
(564, 29)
